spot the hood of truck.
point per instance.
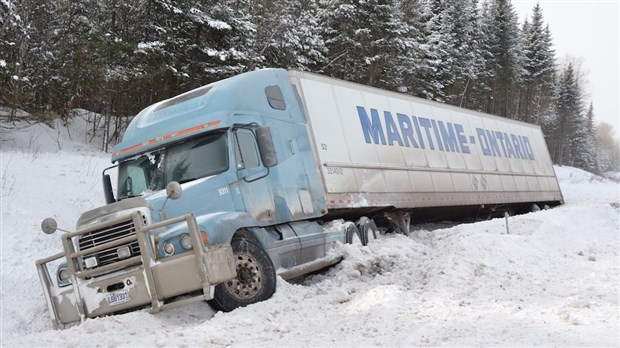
(202, 196)
(201, 110)
(111, 211)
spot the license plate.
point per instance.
(117, 298)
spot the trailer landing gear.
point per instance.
(400, 221)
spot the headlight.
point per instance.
(169, 248)
(179, 243)
(186, 241)
(62, 275)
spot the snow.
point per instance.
(553, 281)
(144, 46)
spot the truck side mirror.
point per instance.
(174, 190)
(49, 226)
(107, 189)
(265, 146)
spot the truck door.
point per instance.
(252, 177)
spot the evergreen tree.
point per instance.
(472, 51)
(453, 43)
(569, 108)
(590, 127)
(484, 65)
(413, 71)
(608, 148)
(361, 38)
(583, 151)
(504, 63)
(14, 42)
(539, 67)
(116, 57)
(194, 43)
(289, 34)
(585, 146)
(441, 52)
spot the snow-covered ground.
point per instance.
(553, 281)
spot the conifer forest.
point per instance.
(116, 57)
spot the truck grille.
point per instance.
(108, 234)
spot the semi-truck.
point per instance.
(224, 188)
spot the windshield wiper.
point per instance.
(130, 196)
(187, 180)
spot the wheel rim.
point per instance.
(248, 282)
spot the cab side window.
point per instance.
(246, 150)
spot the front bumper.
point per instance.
(136, 282)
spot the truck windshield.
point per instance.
(189, 160)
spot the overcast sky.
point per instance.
(588, 30)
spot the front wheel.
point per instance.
(255, 280)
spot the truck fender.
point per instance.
(221, 227)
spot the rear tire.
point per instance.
(349, 231)
(352, 230)
(367, 226)
(255, 280)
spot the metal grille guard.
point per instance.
(146, 259)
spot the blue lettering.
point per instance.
(527, 148)
(484, 143)
(418, 131)
(500, 136)
(426, 124)
(371, 128)
(493, 143)
(391, 129)
(462, 138)
(517, 146)
(509, 150)
(449, 137)
(437, 137)
(406, 129)
(409, 131)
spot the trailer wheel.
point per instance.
(351, 230)
(255, 281)
(365, 223)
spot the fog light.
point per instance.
(169, 248)
(186, 241)
(123, 252)
(63, 277)
(91, 262)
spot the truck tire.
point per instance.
(367, 224)
(349, 231)
(255, 281)
(352, 230)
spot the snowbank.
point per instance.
(77, 136)
(554, 280)
(570, 175)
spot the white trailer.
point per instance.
(381, 149)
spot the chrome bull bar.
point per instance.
(213, 265)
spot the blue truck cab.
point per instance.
(218, 192)
(212, 142)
